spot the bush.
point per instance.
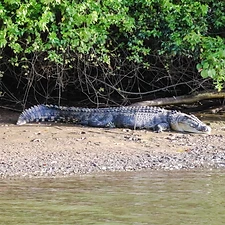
(112, 47)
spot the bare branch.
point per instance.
(185, 99)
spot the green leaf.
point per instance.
(211, 73)
(205, 65)
(204, 73)
(199, 67)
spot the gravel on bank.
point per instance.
(67, 164)
(51, 156)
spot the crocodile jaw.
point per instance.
(182, 127)
(189, 123)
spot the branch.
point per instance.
(185, 99)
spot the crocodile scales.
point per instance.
(143, 117)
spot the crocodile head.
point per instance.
(188, 123)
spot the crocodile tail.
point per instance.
(39, 113)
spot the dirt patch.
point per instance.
(64, 149)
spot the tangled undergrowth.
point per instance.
(109, 52)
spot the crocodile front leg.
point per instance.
(161, 127)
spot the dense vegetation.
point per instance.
(110, 51)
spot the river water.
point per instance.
(150, 197)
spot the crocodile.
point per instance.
(136, 117)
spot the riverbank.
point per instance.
(50, 150)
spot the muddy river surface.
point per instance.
(145, 197)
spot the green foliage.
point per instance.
(108, 33)
(56, 27)
(213, 60)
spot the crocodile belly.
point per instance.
(98, 120)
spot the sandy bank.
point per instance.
(65, 150)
